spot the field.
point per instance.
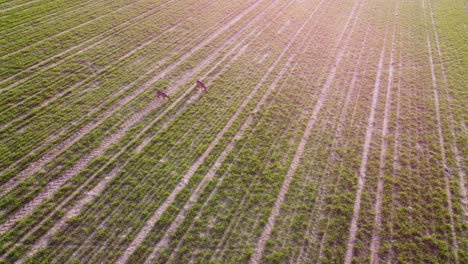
(330, 132)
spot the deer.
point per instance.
(201, 85)
(162, 95)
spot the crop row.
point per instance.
(235, 70)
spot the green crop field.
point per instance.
(330, 131)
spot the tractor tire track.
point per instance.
(39, 21)
(164, 241)
(258, 252)
(365, 152)
(375, 240)
(441, 142)
(42, 242)
(82, 48)
(453, 145)
(312, 231)
(18, 6)
(93, 124)
(64, 32)
(82, 163)
(395, 164)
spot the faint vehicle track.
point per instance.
(17, 6)
(34, 166)
(441, 142)
(395, 162)
(46, 18)
(258, 251)
(63, 32)
(312, 231)
(453, 145)
(365, 153)
(103, 183)
(375, 240)
(82, 48)
(82, 163)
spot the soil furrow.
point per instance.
(18, 6)
(184, 181)
(61, 33)
(258, 252)
(453, 145)
(365, 152)
(375, 240)
(312, 231)
(441, 143)
(82, 48)
(82, 163)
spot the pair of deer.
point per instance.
(163, 95)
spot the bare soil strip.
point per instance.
(396, 155)
(43, 241)
(163, 243)
(258, 252)
(50, 17)
(82, 163)
(442, 143)
(365, 152)
(18, 6)
(375, 240)
(53, 153)
(453, 145)
(103, 183)
(82, 48)
(62, 33)
(148, 226)
(91, 77)
(93, 124)
(318, 204)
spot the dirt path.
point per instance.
(375, 240)
(39, 21)
(258, 251)
(441, 142)
(365, 152)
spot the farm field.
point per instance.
(330, 131)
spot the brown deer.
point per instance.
(162, 95)
(201, 85)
